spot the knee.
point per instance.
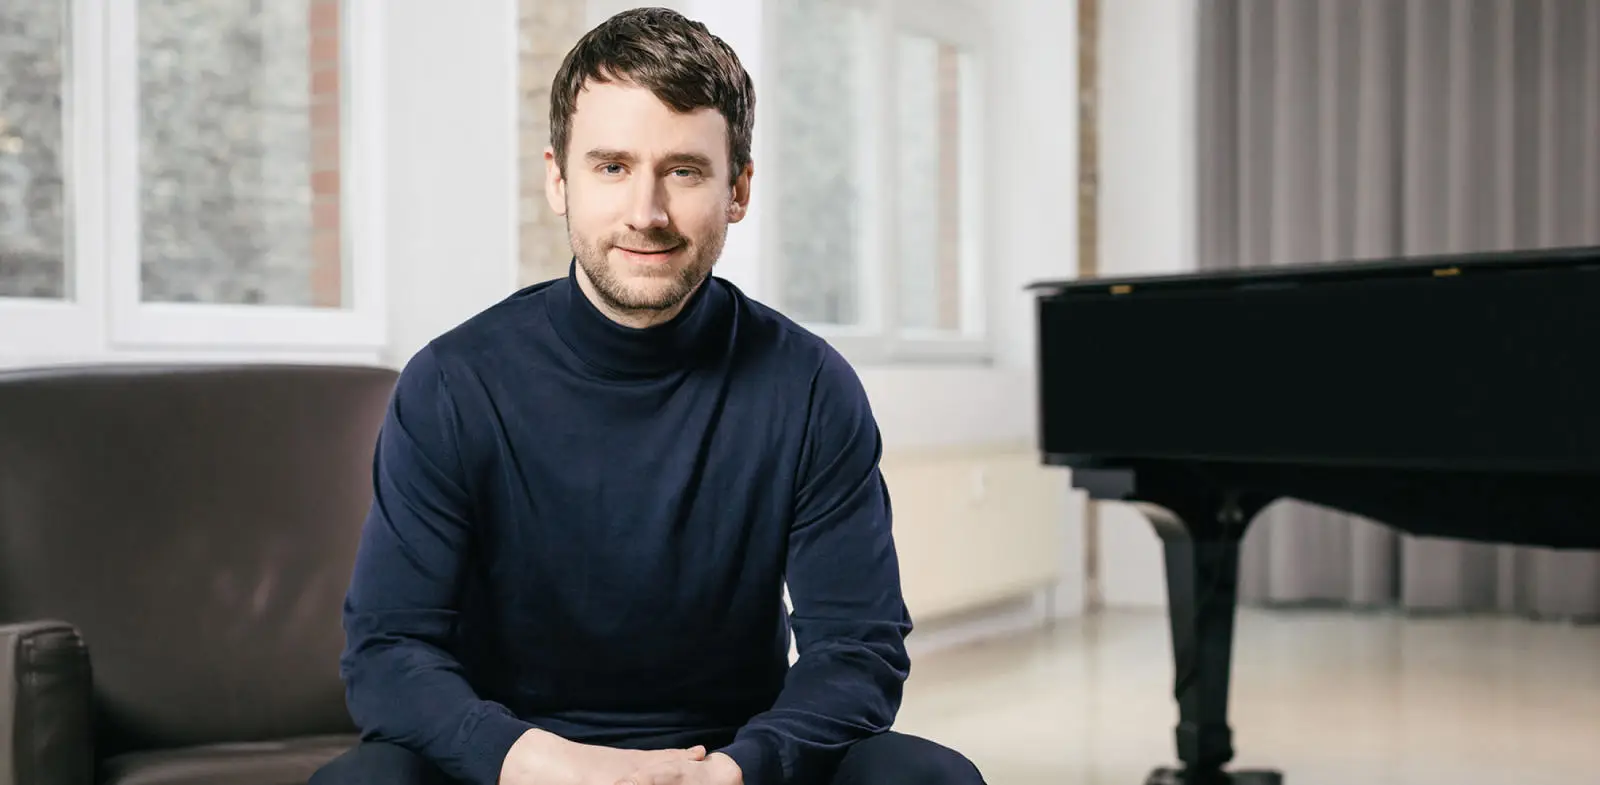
(900, 759)
(375, 763)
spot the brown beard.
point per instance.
(702, 256)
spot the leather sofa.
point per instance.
(175, 544)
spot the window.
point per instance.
(188, 173)
(822, 189)
(873, 117)
(34, 224)
(238, 153)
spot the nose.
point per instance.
(647, 208)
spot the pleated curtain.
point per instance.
(1346, 129)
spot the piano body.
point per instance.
(1447, 396)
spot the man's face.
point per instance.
(648, 197)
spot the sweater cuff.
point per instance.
(485, 744)
(757, 761)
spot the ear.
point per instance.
(555, 186)
(739, 206)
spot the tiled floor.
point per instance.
(1328, 698)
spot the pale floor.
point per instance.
(1326, 697)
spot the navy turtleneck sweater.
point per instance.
(588, 528)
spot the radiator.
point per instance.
(975, 526)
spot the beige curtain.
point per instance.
(1338, 129)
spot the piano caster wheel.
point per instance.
(1247, 777)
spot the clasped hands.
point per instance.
(540, 758)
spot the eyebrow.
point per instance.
(602, 155)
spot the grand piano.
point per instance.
(1446, 396)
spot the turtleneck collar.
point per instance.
(696, 332)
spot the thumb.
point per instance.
(697, 752)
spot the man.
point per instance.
(590, 497)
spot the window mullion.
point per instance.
(975, 313)
(70, 328)
(364, 149)
(120, 137)
(87, 104)
(885, 261)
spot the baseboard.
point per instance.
(1005, 618)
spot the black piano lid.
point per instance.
(1327, 272)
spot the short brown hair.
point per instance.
(675, 58)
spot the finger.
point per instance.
(663, 774)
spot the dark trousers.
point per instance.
(888, 759)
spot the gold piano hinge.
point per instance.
(1445, 272)
(1121, 288)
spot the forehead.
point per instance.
(621, 116)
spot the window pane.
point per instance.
(239, 133)
(33, 200)
(928, 183)
(819, 201)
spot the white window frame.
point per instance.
(877, 340)
(102, 316)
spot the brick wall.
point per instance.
(1088, 136)
(1088, 231)
(548, 28)
(234, 83)
(327, 250)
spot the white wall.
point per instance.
(1147, 212)
(1032, 179)
(452, 176)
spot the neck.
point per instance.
(641, 344)
(637, 318)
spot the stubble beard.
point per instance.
(619, 296)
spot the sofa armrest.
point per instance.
(46, 705)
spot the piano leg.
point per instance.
(1201, 543)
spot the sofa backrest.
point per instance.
(198, 525)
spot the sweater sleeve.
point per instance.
(403, 685)
(849, 616)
